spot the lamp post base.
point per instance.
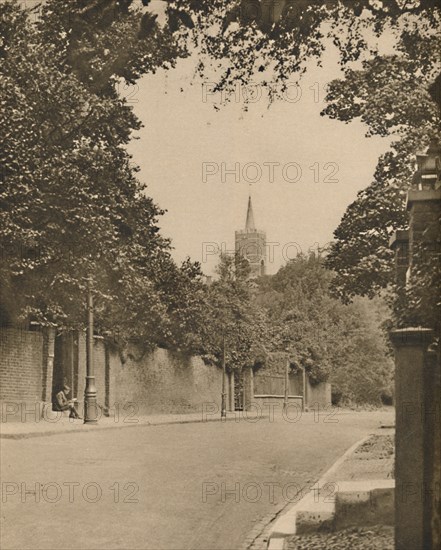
(224, 405)
(90, 404)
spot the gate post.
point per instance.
(48, 365)
(286, 386)
(412, 428)
(432, 448)
(248, 388)
(231, 391)
(417, 369)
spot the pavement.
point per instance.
(61, 423)
(190, 485)
(57, 423)
(355, 496)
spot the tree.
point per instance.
(363, 366)
(391, 96)
(298, 306)
(186, 298)
(233, 315)
(342, 344)
(70, 203)
(244, 38)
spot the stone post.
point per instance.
(107, 382)
(399, 243)
(231, 391)
(248, 388)
(424, 210)
(432, 450)
(417, 371)
(48, 365)
(411, 508)
(424, 205)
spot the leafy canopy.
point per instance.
(71, 205)
(342, 344)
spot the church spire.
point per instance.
(250, 243)
(249, 226)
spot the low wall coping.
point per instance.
(417, 195)
(411, 336)
(263, 395)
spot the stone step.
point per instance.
(350, 503)
(364, 503)
(336, 506)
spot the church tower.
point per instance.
(251, 244)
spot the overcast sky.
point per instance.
(183, 131)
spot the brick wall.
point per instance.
(159, 382)
(21, 365)
(164, 382)
(319, 393)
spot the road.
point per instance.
(172, 487)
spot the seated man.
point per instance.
(62, 403)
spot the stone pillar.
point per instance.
(424, 228)
(48, 365)
(231, 391)
(248, 388)
(417, 372)
(410, 505)
(400, 245)
(432, 450)
(107, 382)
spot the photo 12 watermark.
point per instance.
(271, 492)
(69, 492)
(272, 251)
(420, 409)
(269, 172)
(40, 412)
(274, 410)
(253, 92)
(409, 492)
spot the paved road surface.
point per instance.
(165, 487)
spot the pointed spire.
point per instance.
(249, 226)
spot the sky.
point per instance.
(187, 146)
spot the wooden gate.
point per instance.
(274, 384)
(238, 390)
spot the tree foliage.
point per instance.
(70, 203)
(363, 365)
(244, 38)
(342, 344)
(299, 309)
(233, 317)
(391, 96)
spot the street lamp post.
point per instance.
(285, 398)
(224, 394)
(304, 389)
(90, 406)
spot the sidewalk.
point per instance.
(351, 506)
(58, 424)
(63, 424)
